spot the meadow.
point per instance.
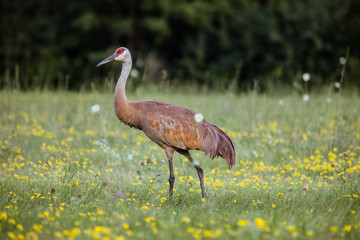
(71, 170)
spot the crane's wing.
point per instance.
(174, 126)
(170, 125)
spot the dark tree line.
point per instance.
(227, 43)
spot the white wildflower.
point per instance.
(105, 147)
(337, 85)
(281, 102)
(306, 97)
(95, 109)
(198, 117)
(306, 77)
(342, 60)
(134, 73)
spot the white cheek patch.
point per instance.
(119, 58)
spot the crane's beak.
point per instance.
(109, 59)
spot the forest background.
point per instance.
(226, 44)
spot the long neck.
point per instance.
(121, 103)
(120, 97)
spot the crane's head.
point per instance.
(121, 54)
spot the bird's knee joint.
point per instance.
(199, 169)
(171, 179)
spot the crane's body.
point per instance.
(173, 128)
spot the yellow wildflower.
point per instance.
(3, 216)
(102, 229)
(291, 228)
(126, 226)
(242, 223)
(11, 235)
(12, 221)
(261, 223)
(212, 234)
(347, 228)
(19, 226)
(149, 219)
(185, 219)
(20, 236)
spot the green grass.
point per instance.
(69, 174)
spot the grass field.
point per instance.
(68, 173)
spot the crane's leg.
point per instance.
(169, 153)
(199, 170)
(200, 173)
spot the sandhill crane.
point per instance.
(173, 128)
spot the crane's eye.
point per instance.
(119, 51)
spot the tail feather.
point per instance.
(213, 141)
(217, 144)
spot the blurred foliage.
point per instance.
(228, 43)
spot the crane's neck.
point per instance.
(120, 97)
(121, 103)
